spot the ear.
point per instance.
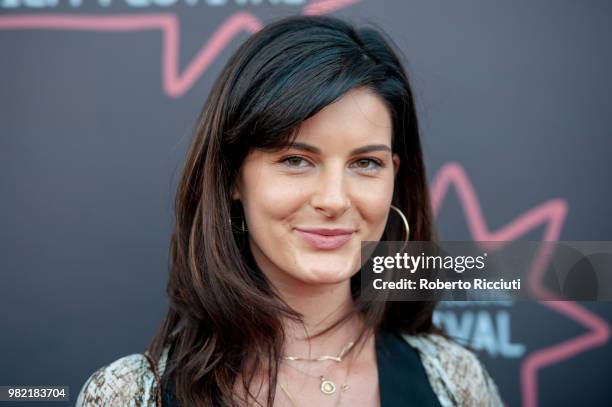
(396, 163)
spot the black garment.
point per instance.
(401, 376)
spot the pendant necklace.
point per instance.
(327, 386)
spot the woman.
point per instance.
(307, 145)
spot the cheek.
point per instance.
(374, 205)
(271, 199)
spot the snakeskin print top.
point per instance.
(456, 376)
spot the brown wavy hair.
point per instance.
(224, 318)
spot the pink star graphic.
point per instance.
(175, 84)
(552, 214)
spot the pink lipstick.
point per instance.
(326, 239)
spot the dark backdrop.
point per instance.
(514, 101)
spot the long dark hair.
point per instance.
(224, 319)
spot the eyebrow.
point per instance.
(360, 150)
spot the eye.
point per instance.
(367, 164)
(295, 162)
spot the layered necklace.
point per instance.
(327, 386)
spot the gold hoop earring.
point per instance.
(404, 220)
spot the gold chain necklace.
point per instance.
(343, 388)
(327, 386)
(338, 358)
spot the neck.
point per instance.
(320, 307)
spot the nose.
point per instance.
(331, 196)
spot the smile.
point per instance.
(325, 239)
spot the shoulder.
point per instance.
(455, 373)
(128, 381)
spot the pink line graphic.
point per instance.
(318, 7)
(552, 214)
(175, 84)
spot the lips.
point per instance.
(325, 239)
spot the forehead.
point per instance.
(358, 117)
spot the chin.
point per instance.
(325, 275)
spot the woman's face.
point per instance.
(308, 207)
